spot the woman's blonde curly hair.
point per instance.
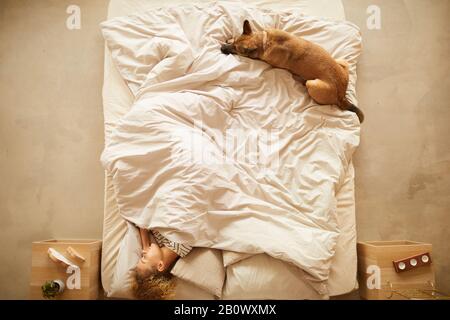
(154, 285)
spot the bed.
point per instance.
(213, 273)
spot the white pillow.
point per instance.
(187, 291)
(204, 268)
(263, 277)
(128, 257)
(230, 257)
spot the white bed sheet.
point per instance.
(117, 100)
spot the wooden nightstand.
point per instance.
(394, 269)
(82, 284)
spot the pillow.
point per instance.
(204, 268)
(128, 257)
(188, 291)
(230, 257)
(262, 277)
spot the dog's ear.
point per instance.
(247, 28)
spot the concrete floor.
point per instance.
(51, 128)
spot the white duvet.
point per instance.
(223, 151)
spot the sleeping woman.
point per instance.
(153, 280)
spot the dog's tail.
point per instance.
(347, 105)
(358, 112)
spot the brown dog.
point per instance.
(326, 78)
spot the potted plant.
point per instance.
(52, 288)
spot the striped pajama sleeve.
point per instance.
(180, 249)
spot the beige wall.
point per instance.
(51, 132)
(403, 164)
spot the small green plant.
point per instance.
(52, 288)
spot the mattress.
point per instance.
(117, 100)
